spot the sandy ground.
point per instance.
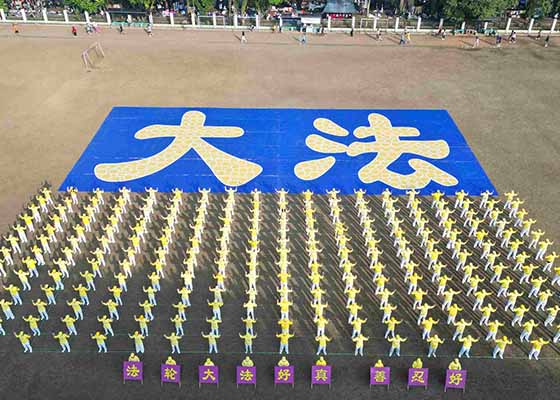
(503, 100)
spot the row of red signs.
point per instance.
(320, 375)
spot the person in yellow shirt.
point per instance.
(170, 361)
(467, 345)
(359, 340)
(106, 323)
(248, 339)
(455, 365)
(116, 291)
(24, 340)
(428, 324)
(100, 340)
(32, 320)
(501, 346)
(174, 341)
(284, 342)
(247, 362)
(147, 307)
(460, 328)
(322, 344)
(82, 292)
(133, 358)
(434, 342)
(537, 347)
(143, 324)
(212, 343)
(69, 322)
(321, 362)
(14, 292)
(138, 341)
(493, 327)
(379, 364)
(283, 362)
(40, 304)
(178, 321)
(527, 330)
(391, 324)
(63, 340)
(396, 345)
(417, 363)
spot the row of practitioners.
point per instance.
(284, 372)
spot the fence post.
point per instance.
(463, 26)
(397, 24)
(531, 25)
(485, 27)
(151, 18)
(353, 22)
(86, 14)
(419, 24)
(374, 23)
(508, 24)
(172, 18)
(280, 21)
(108, 16)
(257, 21)
(214, 22)
(193, 19)
(65, 13)
(45, 17)
(23, 15)
(440, 23)
(329, 22)
(554, 22)
(2, 15)
(236, 21)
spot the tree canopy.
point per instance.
(91, 6)
(476, 9)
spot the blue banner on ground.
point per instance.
(268, 149)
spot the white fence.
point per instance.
(216, 21)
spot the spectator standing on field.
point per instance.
(243, 38)
(74, 31)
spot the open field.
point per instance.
(503, 100)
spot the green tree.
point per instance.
(476, 9)
(203, 5)
(3, 5)
(538, 7)
(91, 6)
(147, 4)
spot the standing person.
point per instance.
(352, 32)
(539, 34)
(121, 29)
(15, 28)
(378, 35)
(443, 34)
(74, 31)
(149, 30)
(476, 41)
(243, 38)
(408, 38)
(546, 41)
(498, 41)
(402, 40)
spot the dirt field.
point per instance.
(503, 100)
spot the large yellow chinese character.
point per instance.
(208, 375)
(230, 170)
(379, 376)
(313, 169)
(455, 379)
(284, 375)
(321, 374)
(132, 371)
(388, 148)
(170, 373)
(246, 375)
(418, 376)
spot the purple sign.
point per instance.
(246, 375)
(208, 374)
(417, 377)
(170, 373)
(133, 371)
(380, 376)
(455, 379)
(321, 375)
(284, 375)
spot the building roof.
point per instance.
(340, 7)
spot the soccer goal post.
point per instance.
(92, 56)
